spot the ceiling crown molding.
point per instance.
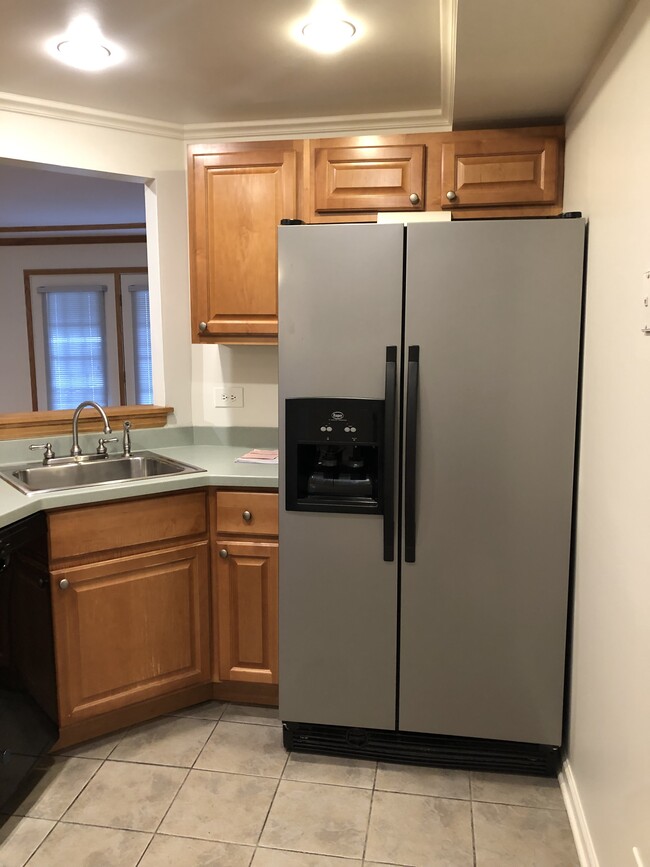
(305, 127)
(91, 116)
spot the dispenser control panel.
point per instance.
(333, 453)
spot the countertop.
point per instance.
(217, 460)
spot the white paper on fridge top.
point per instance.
(414, 217)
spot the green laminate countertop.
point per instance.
(217, 459)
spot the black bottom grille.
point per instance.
(414, 748)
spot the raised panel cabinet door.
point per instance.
(237, 201)
(247, 611)
(511, 170)
(376, 178)
(131, 629)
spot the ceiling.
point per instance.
(216, 67)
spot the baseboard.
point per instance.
(577, 818)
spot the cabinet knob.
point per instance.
(223, 553)
(414, 199)
(451, 195)
(64, 584)
(247, 516)
(203, 326)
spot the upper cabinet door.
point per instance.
(375, 178)
(508, 170)
(237, 200)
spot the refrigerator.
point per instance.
(428, 388)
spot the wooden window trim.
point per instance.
(20, 425)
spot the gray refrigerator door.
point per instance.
(495, 309)
(340, 298)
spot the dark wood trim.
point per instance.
(119, 324)
(55, 240)
(30, 340)
(19, 425)
(77, 228)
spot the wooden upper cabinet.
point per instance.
(237, 200)
(370, 179)
(502, 170)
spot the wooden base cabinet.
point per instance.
(247, 611)
(131, 629)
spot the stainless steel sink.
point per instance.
(64, 473)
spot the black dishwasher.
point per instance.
(27, 671)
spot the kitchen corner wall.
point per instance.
(253, 367)
(608, 178)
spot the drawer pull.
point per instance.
(64, 584)
(247, 516)
(223, 553)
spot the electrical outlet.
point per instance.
(229, 395)
(637, 856)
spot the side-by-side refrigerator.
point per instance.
(428, 404)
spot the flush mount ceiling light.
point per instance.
(328, 35)
(84, 47)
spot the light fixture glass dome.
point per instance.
(84, 47)
(328, 35)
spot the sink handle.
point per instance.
(101, 448)
(48, 452)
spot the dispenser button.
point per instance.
(328, 429)
(346, 429)
(323, 429)
(353, 430)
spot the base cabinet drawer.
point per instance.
(245, 597)
(131, 629)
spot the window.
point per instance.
(90, 340)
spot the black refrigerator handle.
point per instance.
(390, 404)
(410, 461)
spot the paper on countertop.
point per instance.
(258, 456)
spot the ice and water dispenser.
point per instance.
(334, 455)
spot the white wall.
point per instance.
(253, 367)
(608, 178)
(161, 162)
(15, 395)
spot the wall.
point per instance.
(608, 178)
(16, 389)
(160, 161)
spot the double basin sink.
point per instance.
(64, 473)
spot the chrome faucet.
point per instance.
(75, 451)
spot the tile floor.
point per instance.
(212, 786)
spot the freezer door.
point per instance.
(494, 308)
(340, 298)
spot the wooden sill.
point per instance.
(18, 425)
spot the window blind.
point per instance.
(141, 344)
(74, 322)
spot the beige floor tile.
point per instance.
(383, 864)
(337, 771)
(85, 846)
(281, 858)
(185, 852)
(169, 740)
(125, 795)
(226, 807)
(20, 837)
(243, 749)
(324, 820)
(206, 710)
(49, 790)
(420, 831)
(508, 836)
(252, 713)
(412, 780)
(99, 748)
(517, 790)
